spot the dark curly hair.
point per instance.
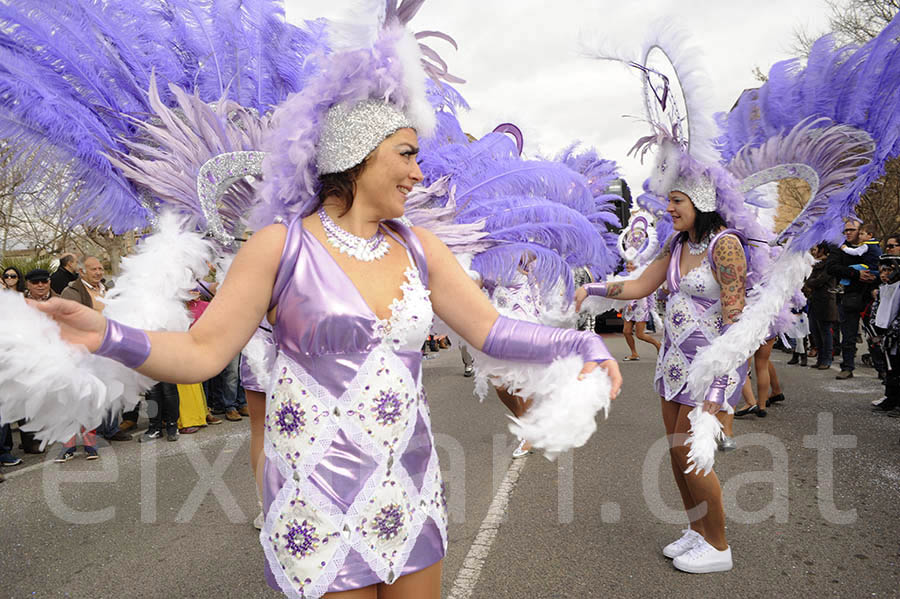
(341, 185)
(20, 283)
(707, 223)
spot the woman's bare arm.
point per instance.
(649, 281)
(731, 272)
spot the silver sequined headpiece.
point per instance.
(701, 190)
(351, 133)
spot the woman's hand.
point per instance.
(78, 324)
(580, 295)
(711, 407)
(612, 370)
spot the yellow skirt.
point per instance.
(192, 406)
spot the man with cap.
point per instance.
(37, 285)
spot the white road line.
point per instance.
(469, 573)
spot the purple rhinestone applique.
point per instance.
(678, 318)
(290, 418)
(388, 522)
(301, 538)
(387, 407)
(674, 372)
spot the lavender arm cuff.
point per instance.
(597, 289)
(124, 344)
(523, 341)
(716, 391)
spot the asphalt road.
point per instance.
(812, 497)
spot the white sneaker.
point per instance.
(520, 451)
(259, 521)
(703, 558)
(687, 540)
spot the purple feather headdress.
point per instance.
(378, 59)
(838, 114)
(74, 81)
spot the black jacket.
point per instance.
(60, 278)
(858, 293)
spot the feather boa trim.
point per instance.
(705, 428)
(60, 388)
(739, 342)
(563, 410)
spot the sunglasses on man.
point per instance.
(890, 246)
(39, 281)
(850, 230)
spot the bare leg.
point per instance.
(629, 338)
(256, 403)
(727, 421)
(424, 584)
(773, 377)
(516, 405)
(643, 336)
(670, 411)
(747, 393)
(761, 367)
(705, 491)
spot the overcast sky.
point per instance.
(522, 64)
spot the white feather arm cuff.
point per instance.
(60, 388)
(563, 411)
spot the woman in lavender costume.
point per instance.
(705, 268)
(353, 492)
(636, 314)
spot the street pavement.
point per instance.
(812, 496)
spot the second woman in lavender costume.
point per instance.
(705, 269)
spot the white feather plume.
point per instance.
(43, 379)
(358, 28)
(688, 61)
(60, 388)
(260, 355)
(705, 429)
(563, 412)
(418, 108)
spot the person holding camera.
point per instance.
(855, 266)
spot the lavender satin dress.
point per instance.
(693, 319)
(353, 493)
(638, 310)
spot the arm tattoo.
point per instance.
(615, 289)
(727, 275)
(731, 271)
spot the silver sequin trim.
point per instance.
(215, 177)
(351, 133)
